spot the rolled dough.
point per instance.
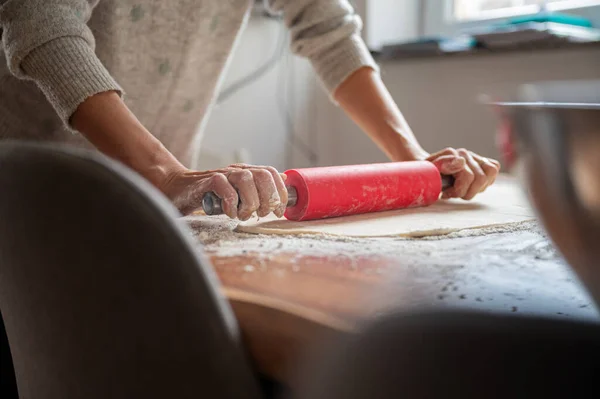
(501, 204)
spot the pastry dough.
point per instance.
(501, 204)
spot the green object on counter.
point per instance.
(552, 17)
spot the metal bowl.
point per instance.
(552, 132)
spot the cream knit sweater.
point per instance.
(166, 56)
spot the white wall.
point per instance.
(439, 98)
(254, 119)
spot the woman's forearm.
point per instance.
(110, 126)
(365, 99)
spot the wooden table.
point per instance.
(291, 294)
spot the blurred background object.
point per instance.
(555, 134)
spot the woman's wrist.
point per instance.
(399, 145)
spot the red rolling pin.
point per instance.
(320, 193)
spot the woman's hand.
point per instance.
(366, 100)
(259, 189)
(473, 173)
(106, 122)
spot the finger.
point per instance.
(279, 179)
(243, 181)
(219, 185)
(462, 183)
(490, 169)
(267, 192)
(497, 167)
(479, 177)
(444, 152)
(494, 162)
(235, 167)
(243, 166)
(449, 164)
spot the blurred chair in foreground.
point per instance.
(451, 354)
(102, 294)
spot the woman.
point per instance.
(137, 78)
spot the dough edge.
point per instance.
(241, 228)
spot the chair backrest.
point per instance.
(103, 293)
(454, 353)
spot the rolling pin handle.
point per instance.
(447, 181)
(292, 196)
(212, 204)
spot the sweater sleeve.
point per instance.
(50, 43)
(327, 32)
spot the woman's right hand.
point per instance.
(261, 189)
(104, 117)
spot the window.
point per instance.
(447, 17)
(469, 10)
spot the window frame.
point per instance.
(439, 19)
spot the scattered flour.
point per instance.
(219, 239)
(505, 268)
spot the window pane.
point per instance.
(480, 9)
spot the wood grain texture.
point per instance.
(289, 305)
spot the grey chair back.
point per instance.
(103, 293)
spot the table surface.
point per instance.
(291, 294)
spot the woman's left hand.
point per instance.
(473, 173)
